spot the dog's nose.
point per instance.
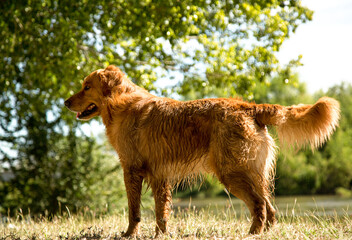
(67, 103)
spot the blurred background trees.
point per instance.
(187, 49)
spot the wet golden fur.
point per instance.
(162, 141)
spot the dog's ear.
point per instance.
(112, 68)
(110, 78)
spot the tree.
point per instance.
(48, 46)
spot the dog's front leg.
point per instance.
(162, 197)
(133, 184)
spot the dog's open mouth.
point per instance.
(92, 108)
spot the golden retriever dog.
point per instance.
(162, 141)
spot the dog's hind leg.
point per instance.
(162, 197)
(242, 186)
(133, 183)
(270, 214)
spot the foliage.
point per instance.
(74, 175)
(48, 46)
(234, 41)
(282, 90)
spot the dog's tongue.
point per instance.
(77, 116)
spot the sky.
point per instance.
(325, 44)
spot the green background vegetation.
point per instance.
(47, 47)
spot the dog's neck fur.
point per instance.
(122, 100)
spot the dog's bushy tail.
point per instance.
(302, 125)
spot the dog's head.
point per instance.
(96, 87)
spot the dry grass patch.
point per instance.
(185, 224)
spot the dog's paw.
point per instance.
(129, 235)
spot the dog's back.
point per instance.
(174, 139)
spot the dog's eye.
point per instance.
(86, 88)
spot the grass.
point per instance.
(183, 224)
